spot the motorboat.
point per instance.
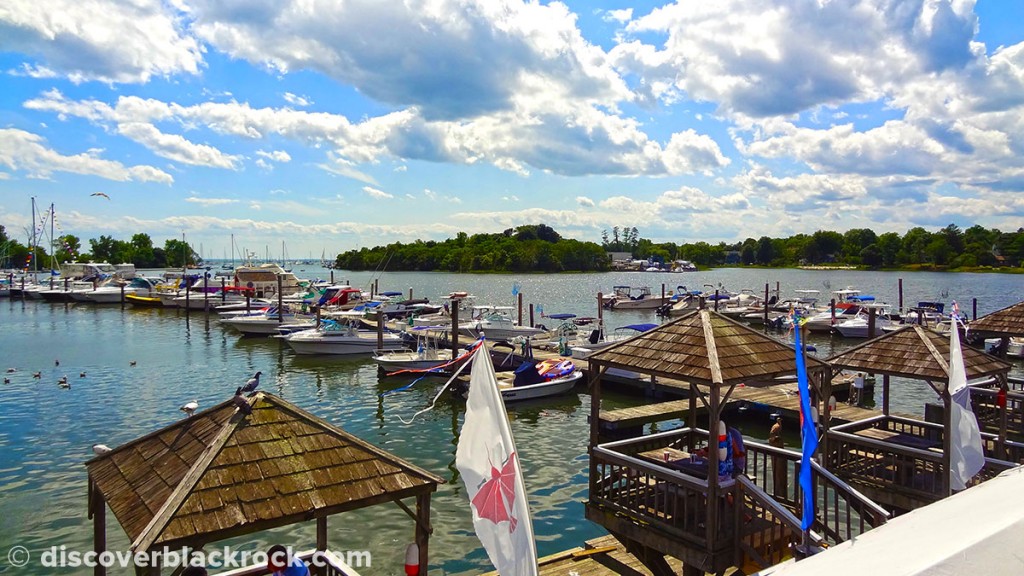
(264, 279)
(340, 338)
(262, 323)
(112, 293)
(426, 355)
(859, 325)
(594, 342)
(496, 324)
(532, 380)
(636, 298)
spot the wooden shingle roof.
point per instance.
(915, 352)
(704, 347)
(1006, 322)
(222, 473)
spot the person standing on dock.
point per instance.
(857, 392)
(779, 480)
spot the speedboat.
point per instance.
(636, 299)
(111, 293)
(594, 342)
(333, 337)
(262, 323)
(858, 326)
(427, 354)
(536, 380)
(495, 322)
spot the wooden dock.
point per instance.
(603, 556)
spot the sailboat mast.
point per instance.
(53, 253)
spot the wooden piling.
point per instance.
(380, 328)
(519, 299)
(716, 300)
(766, 306)
(223, 291)
(122, 296)
(600, 314)
(531, 315)
(410, 292)
(206, 292)
(832, 307)
(974, 308)
(455, 327)
(99, 527)
(332, 276)
(280, 299)
(900, 289)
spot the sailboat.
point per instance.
(231, 266)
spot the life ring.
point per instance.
(554, 368)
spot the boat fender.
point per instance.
(723, 442)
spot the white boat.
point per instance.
(594, 342)
(262, 323)
(427, 354)
(634, 298)
(263, 279)
(1014, 348)
(531, 381)
(111, 293)
(340, 339)
(496, 324)
(857, 327)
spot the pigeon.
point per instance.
(190, 408)
(37, 375)
(132, 363)
(252, 384)
(100, 449)
(241, 403)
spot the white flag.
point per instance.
(489, 465)
(966, 454)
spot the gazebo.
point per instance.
(241, 468)
(895, 459)
(650, 491)
(1003, 324)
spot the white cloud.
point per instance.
(585, 202)
(510, 198)
(207, 202)
(375, 193)
(295, 100)
(25, 151)
(102, 40)
(620, 16)
(431, 195)
(275, 155)
(175, 147)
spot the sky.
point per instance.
(318, 126)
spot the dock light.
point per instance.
(412, 560)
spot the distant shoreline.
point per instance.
(912, 268)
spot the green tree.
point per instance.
(765, 251)
(889, 245)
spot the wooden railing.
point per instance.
(324, 563)
(985, 406)
(666, 500)
(841, 512)
(766, 528)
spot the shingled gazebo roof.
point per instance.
(915, 352)
(221, 473)
(704, 347)
(1006, 322)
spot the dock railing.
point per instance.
(767, 529)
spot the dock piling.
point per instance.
(900, 289)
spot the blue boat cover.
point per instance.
(641, 327)
(561, 316)
(390, 294)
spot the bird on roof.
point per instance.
(100, 194)
(252, 384)
(190, 407)
(241, 403)
(100, 449)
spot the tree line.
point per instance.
(947, 249)
(68, 248)
(530, 248)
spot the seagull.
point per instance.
(100, 194)
(37, 375)
(100, 449)
(241, 403)
(252, 384)
(190, 408)
(132, 363)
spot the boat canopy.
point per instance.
(640, 327)
(390, 293)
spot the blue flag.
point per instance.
(808, 433)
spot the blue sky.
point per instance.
(331, 124)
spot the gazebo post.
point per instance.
(692, 420)
(423, 529)
(99, 526)
(595, 402)
(826, 385)
(1004, 388)
(947, 445)
(713, 419)
(321, 541)
(885, 395)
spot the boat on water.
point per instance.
(595, 342)
(633, 298)
(340, 338)
(112, 292)
(264, 322)
(859, 325)
(496, 323)
(532, 380)
(427, 353)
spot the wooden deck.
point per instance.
(604, 556)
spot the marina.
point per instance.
(142, 364)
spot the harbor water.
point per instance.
(131, 369)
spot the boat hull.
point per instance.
(554, 387)
(301, 343)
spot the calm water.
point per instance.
(46, 432)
